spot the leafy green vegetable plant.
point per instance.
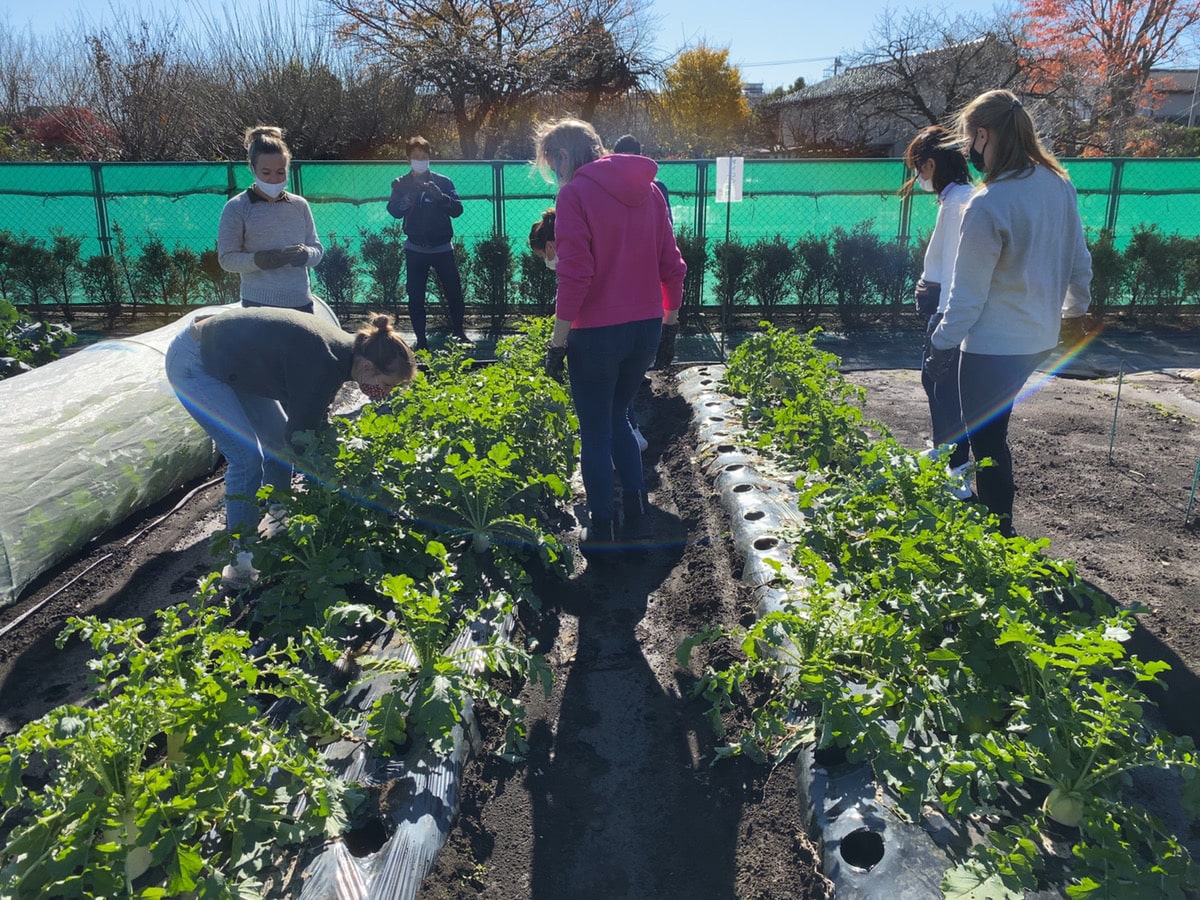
(796, 401)
(974, 674)
(25, 345)
(430, 693)
(170, 780)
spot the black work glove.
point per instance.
(1071, 331)
(555, 362)
(272, 259)
(297, 255)
(928, 295)
(939, 365)
(666, 347)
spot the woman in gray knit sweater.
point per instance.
(1022, 276)
(267, 235)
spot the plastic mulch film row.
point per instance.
(416, 798)
(867, 851)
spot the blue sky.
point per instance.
(796, 37)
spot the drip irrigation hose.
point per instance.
(178, 506)
(29, 612)
(41, 603)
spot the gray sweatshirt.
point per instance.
(250, 223)
(1022, 265)
(289, 356)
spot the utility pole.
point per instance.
(1192, 108)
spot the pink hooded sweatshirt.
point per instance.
(617, 257)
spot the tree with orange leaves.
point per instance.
(1112, 43)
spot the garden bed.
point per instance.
(618, 798)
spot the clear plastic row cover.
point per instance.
(86, 441)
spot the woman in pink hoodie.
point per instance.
(620, 286)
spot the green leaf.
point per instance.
(969, 882)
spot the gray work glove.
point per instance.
(272, 259)
(297, 254)
(666, 347)
(1072, 330)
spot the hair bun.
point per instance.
(256, 132)
(383, 322)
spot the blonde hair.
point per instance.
(578, 138)
(383, 348)
(1016, 147)
(263, 140)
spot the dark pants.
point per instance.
(606, 366)
(945, 411)
(418, 265)
(988, 387)
(306, 308)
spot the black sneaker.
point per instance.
(599, 542)
(635, 528)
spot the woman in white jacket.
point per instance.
(1022, 266)
(939, 166)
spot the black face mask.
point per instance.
(976, 158)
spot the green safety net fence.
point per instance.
(180, 203)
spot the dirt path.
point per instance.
(618, 799)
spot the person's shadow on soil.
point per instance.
(619, 809)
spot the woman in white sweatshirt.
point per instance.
(1022, 266)
(938, 165)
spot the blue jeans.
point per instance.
(606, 366)
(988, 387)
(418, 265)
(248, 430)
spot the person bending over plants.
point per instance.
(254, 378)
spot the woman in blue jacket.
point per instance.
(426, 202)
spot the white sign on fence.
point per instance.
(729, 178)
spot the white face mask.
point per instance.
(271, 190)
(420, 166)
(551, 264)
(925, 183)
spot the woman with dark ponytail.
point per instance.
(254, 378)
(939, 166)
(1022, 278)
(266, 234)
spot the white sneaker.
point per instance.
(273, 521)
(241, 574)
(642, 442)
(958, 482)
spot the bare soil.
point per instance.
(619, 797)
